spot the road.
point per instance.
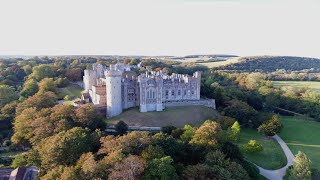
(279, 173)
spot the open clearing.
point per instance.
(71, 90)
(298, 84)
(206, 61)
(175, 116)
(272, 157)
(302, 135)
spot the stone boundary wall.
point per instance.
(211, 103)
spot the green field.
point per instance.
(176, 116)
(272, 157)
(71, 90)
(302, 135)
(205, 61)
(298, 84)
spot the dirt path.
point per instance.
(279, 173)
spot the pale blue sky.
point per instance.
(160, 27)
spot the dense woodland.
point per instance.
(65, 142)
(274, 63)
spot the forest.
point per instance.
(66, 142)
(273, 63)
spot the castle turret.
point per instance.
(114, 99)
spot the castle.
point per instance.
(118, 87)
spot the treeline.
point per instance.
(246, 95)
(273, 63)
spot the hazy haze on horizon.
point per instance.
(160, 27)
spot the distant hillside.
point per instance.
(273, 63)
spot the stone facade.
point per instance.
(118, 88)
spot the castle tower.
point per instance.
(114, 99)
(159, 82)
(89, 79)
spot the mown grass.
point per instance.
(302, 135)
(71, 90)
(298, 84)
(272, 157)
(205, 61)
(176, 116)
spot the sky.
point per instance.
(160, 27)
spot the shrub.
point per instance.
(253, 147)
(7, 143)
(121, 128)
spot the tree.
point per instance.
(152, 152)
(19, 161)
(161, 169)
(253, 147)
(234, 132)
(168, 129)
(301, 167)
(224, 168)
(47, 84)
(22, 126)
(131, 143)
(42, 71)
(38, 101)
(9, 110)
(241, 111)
(74, 74)
(65, 148)
(62, 82)
(208, 134)
(30, 87)
(87, 116)
(271, 127)
(188, 132)
(232, 151)
(121, 128)
(131, 167)
(197, 172)
(7, 94)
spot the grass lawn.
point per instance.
(72, 90)
(11, 154)
(176, 116)
(298, 84)
(204, 61)
(272, 157)
(302, 135)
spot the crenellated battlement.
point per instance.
(152, 90)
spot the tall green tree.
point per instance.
(7, 94)
(161, 169)
(42, 71)
(30, 87)
(234, 132)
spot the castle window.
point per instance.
(172, 92)
(152, 94)
(179, 92)
(192, 92)
(167, 92)
(185, 92)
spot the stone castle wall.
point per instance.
(208, 103)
